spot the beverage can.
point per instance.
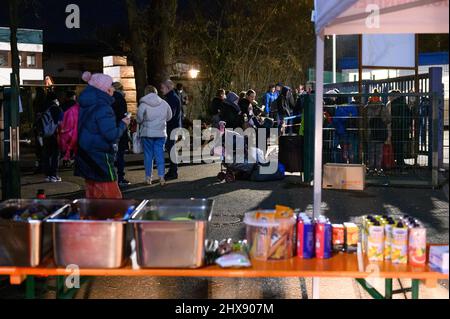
(323, 240)
(305, 239)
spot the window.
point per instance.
(31, 61)
(3, 59)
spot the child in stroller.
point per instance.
(231, 170)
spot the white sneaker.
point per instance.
(148, 181)
(162, 182)
(54, 179)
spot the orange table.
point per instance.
(341, 265)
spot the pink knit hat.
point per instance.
(101, 81)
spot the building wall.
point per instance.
(31, 68)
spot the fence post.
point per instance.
(309, 135)
(436, 88)
(435, 139)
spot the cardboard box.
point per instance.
(114, 61)
(344, 177)
(119, 72)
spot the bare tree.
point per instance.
(138, 52)
(160, 39)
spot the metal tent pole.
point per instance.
(318, 135)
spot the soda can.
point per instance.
(324, 234)
(417, 250)
(305, 239)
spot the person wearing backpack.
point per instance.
(50, 151)
(379, 133)
(68, 132)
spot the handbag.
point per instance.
(137, 143)
(388, 156)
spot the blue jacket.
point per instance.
(175, 104)
(269, 97)
(344, 118)
(98, 131)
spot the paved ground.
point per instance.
(232, 201)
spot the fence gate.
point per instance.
(393, 134)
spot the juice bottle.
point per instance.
(417, 250)
(399, 254)
(388, 238)
(375, 243)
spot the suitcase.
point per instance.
(291, 152)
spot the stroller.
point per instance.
(230, 172)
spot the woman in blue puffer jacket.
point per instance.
(98, 136)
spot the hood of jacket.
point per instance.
(152, 100)
(92, 96)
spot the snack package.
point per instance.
(234, 260)
(283, 212)
(351, 237)
(338, 238)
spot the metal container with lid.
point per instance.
(171, 233)
(96, 237)
(25, 241)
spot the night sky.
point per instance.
(50, 16)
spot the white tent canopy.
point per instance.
(382, 16)
(365, 17)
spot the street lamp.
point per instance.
(193, 73)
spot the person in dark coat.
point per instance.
(184, 98)
(246, 104)
(98, 132)
(215, 109)
(284, 105)
(50, 149)
(120, 109)
(70, 100)
(167, 90)
(401, 126)
(231, 111)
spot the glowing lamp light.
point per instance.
(193, 73)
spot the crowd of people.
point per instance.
(279, 107)
(91, 133)
(381, 128)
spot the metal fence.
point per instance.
(394, 139)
